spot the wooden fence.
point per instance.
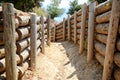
(96, 28)
(22, 38)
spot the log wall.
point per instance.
(22, 35)
(102, 15)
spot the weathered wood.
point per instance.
(117, 59)
(91, 31)
(42, 31)
(48, 31)
(21, 45)
(33, 41)
(99, 58)
(2, 27)
(22, 69)
(59, 37)
(117, 74)
(24, 55)
(75, 26)
(23, 32)
(1, 37)
(112, 35)
(72, 21)
(23, 20)
(9, 39)
(59, 27)
(68, 27)
(101, 48)
(2, 52)
(63, 29)
(82, 33)
(102, 28)
(79, 13)
(3, 64)
(54, 34)
(118, 44)
(105, 17)
(79, 19)
(103, 7)
(101, 37)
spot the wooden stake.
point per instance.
(9, 39)
(91, 31)
(54, 33)
(111, 40)
(48, 31)
(82, 34)
(69, 27)
(75, 27)
(63, 29)
(43, 34)
(33, 41)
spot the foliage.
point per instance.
(54, 10)
(74, 7)
(39, 11)
(24, 5)
(99, 1)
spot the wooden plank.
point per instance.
(33, 41)
(9, 39)
(112, 35)
(63, 29)
(75, 26)
(82, 34)
(69, 27)
(43, 34)
(91, 31)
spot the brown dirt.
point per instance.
(62, 61)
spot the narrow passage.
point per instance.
(62, 61)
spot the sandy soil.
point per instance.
(62, 61)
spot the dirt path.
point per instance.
(62, 61)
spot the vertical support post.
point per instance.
(54, 33)
(83, 24)
(33, 41)
(111, 40)
(63, 29)
(91, 31)
(75, 28)
(43, 34)
(48, 31)
(68, 27)
(9, 39)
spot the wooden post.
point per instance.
(43, 34)
(33, 41)
(54, 33)
(9, 39)
(91, 31)
(111, 40)
(48, 31)
(69, 27)
(83, 23)
(63, 29)
(75, 28)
